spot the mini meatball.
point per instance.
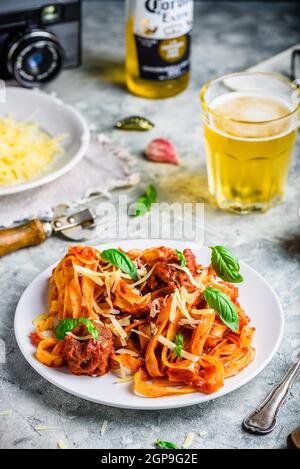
(88, 357)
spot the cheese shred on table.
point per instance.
(25, 150)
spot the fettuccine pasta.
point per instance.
(156, 327)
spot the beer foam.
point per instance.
(251, 107)
(251, 110)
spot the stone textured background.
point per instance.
(228, 36)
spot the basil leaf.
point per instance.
(68, 324)
(226, 264)
(120, 260)
(143, 203)
(165, 444)
(90, 327)
(181, 257)
(220, 302)
(64, 326)
(178, 340)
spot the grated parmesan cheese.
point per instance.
(25, 150)
(123, 372)
(5, 413)
(154, 309)
(122, 351)
(143, 279)
(139, 333)
(126, 379)
(189, 356)
(118, 329)
(173, 308)
(39, 319)
(182, 305)
(189, 274)
(124, 321)
(78, 337)
(104, 427)
(44, 428)
(189, 440)
(61, 444)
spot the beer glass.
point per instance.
(250, 123)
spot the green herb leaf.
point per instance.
(144, 202)
(90, 327)
(165, 444)
(68, 324)
(220, 302)
(120, 260)
(178, 340)
(181, 257)
(226, 264)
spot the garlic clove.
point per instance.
(161, 150)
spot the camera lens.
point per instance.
(35, 62)
(35, 58)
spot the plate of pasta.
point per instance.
(149, 324)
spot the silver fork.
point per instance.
(263, 419)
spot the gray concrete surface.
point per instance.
(227, 37)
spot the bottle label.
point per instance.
(162, 30)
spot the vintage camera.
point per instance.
(38, 38)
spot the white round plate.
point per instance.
(54, 117)
(256, 296)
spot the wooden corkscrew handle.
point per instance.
(30, 234)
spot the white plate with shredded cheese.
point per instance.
(255, 295)
(41, 138)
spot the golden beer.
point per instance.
(158, 44)
(249, 139)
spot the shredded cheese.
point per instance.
(61, 444)
(104, 312)
(78, 337)
(122, 351)
(196, 312)
(123, 372)
(189, 274)
(124, 321)
(189, 298)
(44, 428)
(173, 308)
(189, 322)
(203, 312)
(126, 379)
(39, 319)
(189, 440)
(5, 413)
(182, 306)
(89, 274)
(25, 150)
(154, 310)
(118, 329)
(143, 279)
(189, 356)
(139, 333)
(104, 427)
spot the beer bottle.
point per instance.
(158, 45)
